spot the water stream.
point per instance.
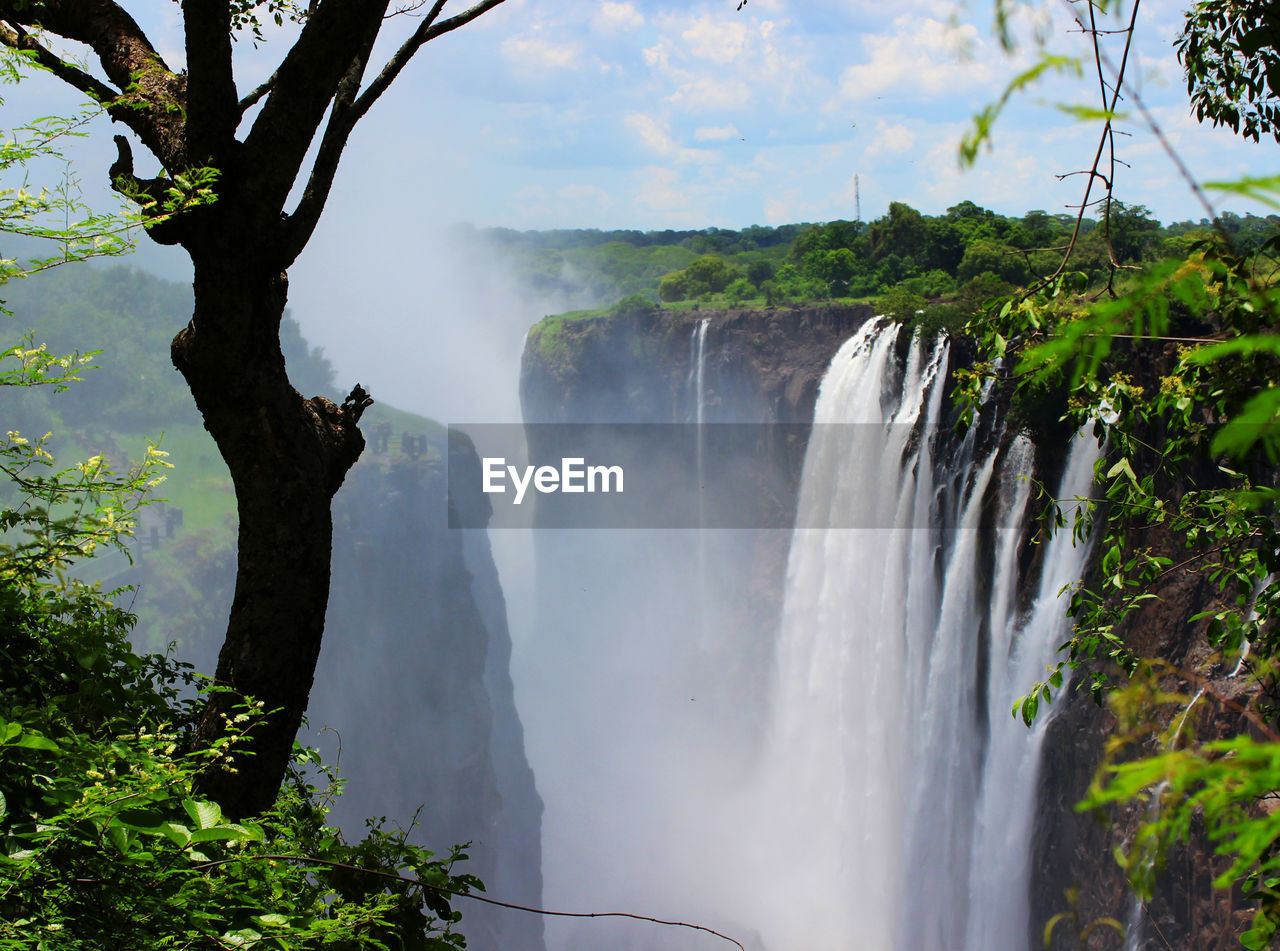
(893, 772)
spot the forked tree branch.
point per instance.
(1107, 138)
(15, 37)
(148, 96)
(304, 87)
(346, 113)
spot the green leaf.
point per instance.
(1259, 421)
(119, 836)
(179, 835)
(34, 741)
(203, 814)
(1088, 113)
(221, 833)
(1122, 466)
(1252, 343)
(1265, 189)
(240, 938)
(1030, 706)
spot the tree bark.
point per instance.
(288, 456)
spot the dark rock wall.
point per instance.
(414, 677)
(765, 366)
(762, 366)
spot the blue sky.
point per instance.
(656, 114)
(627, 113)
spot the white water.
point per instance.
(697, 367)
(896, 799)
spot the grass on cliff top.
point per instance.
(548, 333)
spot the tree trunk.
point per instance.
(287, 456)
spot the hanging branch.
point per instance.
(1106, 141)
(273, 857)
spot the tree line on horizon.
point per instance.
(964, 256)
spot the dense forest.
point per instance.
(962, 256)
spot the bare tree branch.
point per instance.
(147, 91)
(15, 37)
(345, 115)
(1110, 93)
(392, 876)
(424, 34)
(248, 101)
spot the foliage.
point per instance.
(53, 223)
(102, 841)
(637, 305)
(704, 276)
(900, 304)
(130, 316)
(1230, 51)
(956, 260)
(1223, 786)
(1176, 370)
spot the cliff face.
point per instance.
(414, 677)
(761, 366)
(766, 367)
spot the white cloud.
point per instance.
(657, 138)
(716, 133)
(536, 54)
(711, 94)
(618, 17)
(713, 64)
(920, 57)
(720, 42)
(890, 140)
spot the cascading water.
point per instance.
(698, 394)
(894, 773)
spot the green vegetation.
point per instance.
(945, 267)
(134, 393)
(1175, 368)
(103, 840)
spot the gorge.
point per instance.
(804, 739)
(795, 730)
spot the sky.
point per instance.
(655, 114)
(691, 113)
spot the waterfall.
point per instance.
(697, 363)
(697, 366)
(895, 785)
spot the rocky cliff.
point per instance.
(761, 365)
(765, 367)
(415, 680)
